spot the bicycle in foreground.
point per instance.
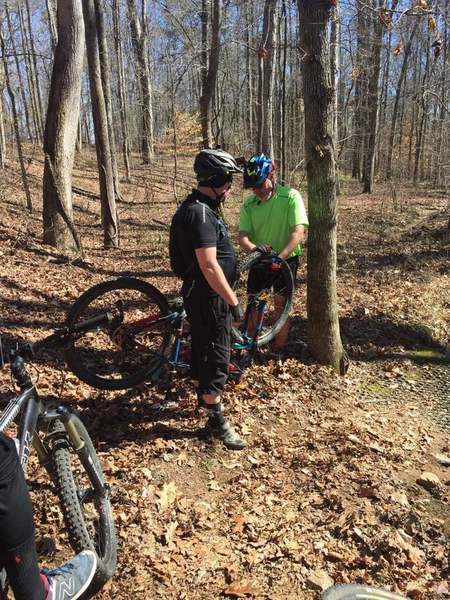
(147, 335)
(65, 449)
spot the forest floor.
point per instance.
(327, 489)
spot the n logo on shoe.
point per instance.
(66, 589)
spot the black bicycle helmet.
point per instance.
(216, 164)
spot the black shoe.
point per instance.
(228, 435)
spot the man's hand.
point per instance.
(236, 313)
(263, 249)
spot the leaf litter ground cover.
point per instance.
(326, 490)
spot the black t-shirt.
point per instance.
(197, 225)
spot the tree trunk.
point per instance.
(266, 77)
(373, 98)
(323, 323)
(210, 67)
(283, 95)
(386, 73)
(423, 103)
(397, 100)
(2, 123)
(121, 90)
(15, 124)
(52, 24)
(35, 70)
(249, 73)
(444, 94)
(334, 69)
(105, 170)
(37, 123)
(360, 89)
(106, 85)
(61, 128)
(138, 36)
(19, 72)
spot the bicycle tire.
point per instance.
(95, 358)
(101, 538)
(358, 592)
(273, 327)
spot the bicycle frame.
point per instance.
(27, 425)
(29, 403)
(175, 320)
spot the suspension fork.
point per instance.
(80, 448)
(178, 330)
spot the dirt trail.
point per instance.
(327, 487)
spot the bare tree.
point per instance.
(52, 22)
(423, 104)
(19, 71)
(266, 77)
(210, 67)
(12, 99)
(360, 74)
(334, 69)
(61, 128)
(139, 35)
(248, 70)
(105, 170)
(106, 85)
(323, 323)
(283, 108)
(32, 93)
(35, 68)
(401, 79)
(121, 89)
(2, 121)
(443, 99)
(373, 93)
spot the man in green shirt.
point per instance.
(273, 218)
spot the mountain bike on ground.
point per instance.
(148, 334)
(65, 449)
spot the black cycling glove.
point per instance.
(237, 313)
(263, 249)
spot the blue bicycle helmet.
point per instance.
(257, 170)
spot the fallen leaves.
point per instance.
(428, 480)
(327, 487)
(241, 589)
(166, 496)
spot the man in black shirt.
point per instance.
(201, 253)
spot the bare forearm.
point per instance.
(245, 242)
(293, 240)
(215, 276)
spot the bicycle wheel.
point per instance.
(269, 270)
(86, 510)
(129, 349)
(358, 592)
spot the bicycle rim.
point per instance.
(131, 348)
(275, 315)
